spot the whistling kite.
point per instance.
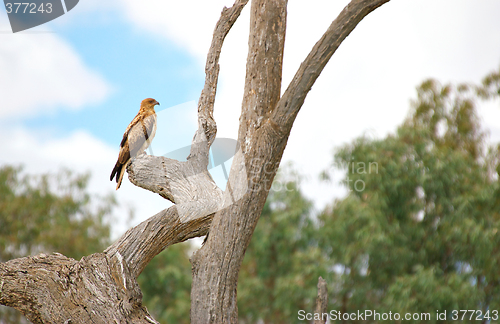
(137, 137)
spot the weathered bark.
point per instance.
(57, 289)
(102, 288)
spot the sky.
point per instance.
(69, 88)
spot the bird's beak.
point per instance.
(157, 103)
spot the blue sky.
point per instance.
(136, 65)
(73, 85)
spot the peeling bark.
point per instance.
(57, 289)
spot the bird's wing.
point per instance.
(137, 137)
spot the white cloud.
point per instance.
(188, 25)
(40, 73)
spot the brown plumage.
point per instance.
(137, 137)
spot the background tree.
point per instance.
(420, 232)
(166, 283)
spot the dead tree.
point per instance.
(102, 287)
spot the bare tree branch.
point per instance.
(294, 96)
(139, 245)
(168, 177)
(177, 181)
(321, 302)
(207, 97)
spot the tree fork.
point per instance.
(265, 125)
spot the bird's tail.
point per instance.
(120, 177)
(119, 171)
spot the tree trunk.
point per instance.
(102, 288)
(252, 172)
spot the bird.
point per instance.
(137, 137)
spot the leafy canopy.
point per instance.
(422, 234)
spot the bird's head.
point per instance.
(149, 104)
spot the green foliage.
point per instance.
(49, 213)
(421, 233)
(166, 285)
(491, 86)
